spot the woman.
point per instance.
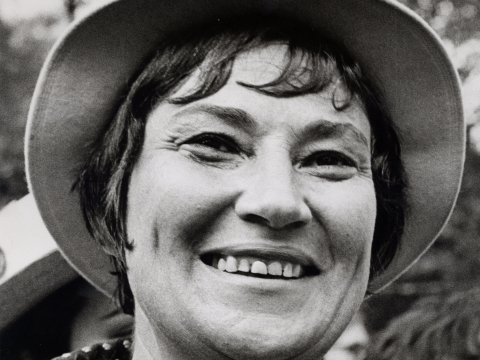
(244, 172)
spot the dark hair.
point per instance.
(312, 64)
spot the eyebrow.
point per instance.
(328, 129)
(240, 118)
(232, 116)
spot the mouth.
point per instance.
(265, 264)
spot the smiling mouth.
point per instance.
(259, 267)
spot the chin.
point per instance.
(267, 346)
(265, 338)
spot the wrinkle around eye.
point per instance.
(206, 156)
(331, 172)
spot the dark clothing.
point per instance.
(112, 350)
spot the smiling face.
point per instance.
(252, 219)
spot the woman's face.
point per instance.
(238, 185)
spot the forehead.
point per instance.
(262, 65)
(265, 65)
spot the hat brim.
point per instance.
(34, 266)
(27, 288)
(87, 72)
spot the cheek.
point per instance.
(172, 204)
(348, 215)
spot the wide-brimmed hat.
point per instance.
(88, 70)
(31, 267)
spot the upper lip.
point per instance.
(267, 252)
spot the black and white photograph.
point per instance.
(239, 179)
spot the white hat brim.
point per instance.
(87, 72)
(34, 267)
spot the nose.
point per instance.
(271, 196)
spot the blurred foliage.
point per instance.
(454, 20)
(453, 262)
(23, 48)
(437, 327)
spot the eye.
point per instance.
(328, 158)
(213, 148)
(216, 142)
(331, 165)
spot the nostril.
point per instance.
(296, 225)
(274, 223)
(277, 207)
(256, 219)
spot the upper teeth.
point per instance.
(232, 264)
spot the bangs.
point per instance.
(310, 64)
(304, 72)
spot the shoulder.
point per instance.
(111, 350)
